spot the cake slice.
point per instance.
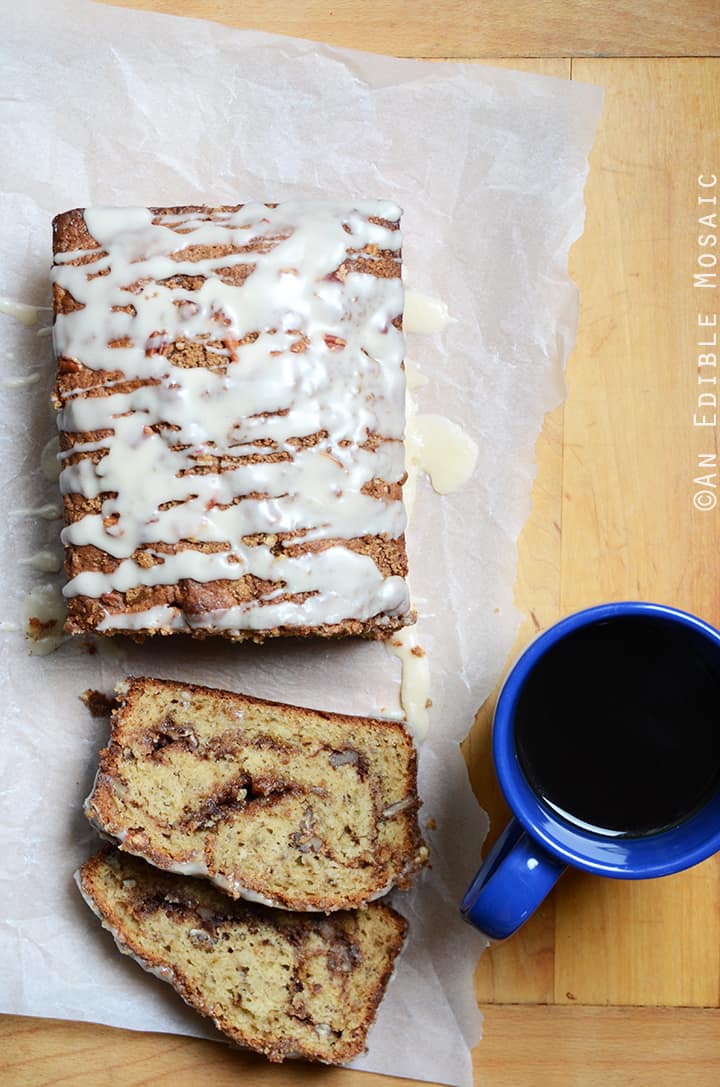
(285, 984)
(289, 806)
(231, 398)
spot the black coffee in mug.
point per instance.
(617, 728)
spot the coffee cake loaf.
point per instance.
(230, 389)
(288, 806)
(285, 984)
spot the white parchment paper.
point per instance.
(99, 105)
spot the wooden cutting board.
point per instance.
(611, 983)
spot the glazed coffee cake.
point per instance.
(230, 389)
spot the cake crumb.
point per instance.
(99, 704)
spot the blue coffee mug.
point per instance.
(538, 844)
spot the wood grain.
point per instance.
(629, 526)
(492, 28)
(43, 1052)
(598, 1047)
(524, 1046)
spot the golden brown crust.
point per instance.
(191, 599)
(70, 232)
(279, 983)
(84, 614)
(310, 810)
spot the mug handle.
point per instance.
(511, 883)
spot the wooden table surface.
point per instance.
(611, 982)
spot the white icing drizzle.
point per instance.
(414, 378)
(424, 314)
(233, 886)
(43, 614)
(21, 382)
(50, 459)
(45, 561)
(51, 511)
(6, 626)
(415, 679)
(439, 448)
(262, 396)
(21, 311)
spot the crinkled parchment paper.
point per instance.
(99, 105)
